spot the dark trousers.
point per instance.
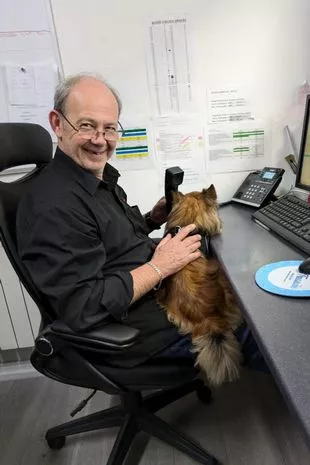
(252, 355)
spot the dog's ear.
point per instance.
(176, 197)
(210, 193)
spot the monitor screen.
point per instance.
(303, 173)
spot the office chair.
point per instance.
(81, 359)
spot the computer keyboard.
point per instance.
(289, 217)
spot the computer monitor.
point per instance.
(303, 171)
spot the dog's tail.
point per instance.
(219, 357)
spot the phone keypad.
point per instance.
(256, 192)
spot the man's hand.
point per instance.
(173, 253)
(158, 213)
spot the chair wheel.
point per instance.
(56, 443)
(204, 394)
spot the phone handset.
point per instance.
(173, 178)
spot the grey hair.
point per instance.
(65, 86)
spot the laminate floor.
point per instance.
(248, 423)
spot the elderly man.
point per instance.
(86, 249)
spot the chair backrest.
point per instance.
(21, 144)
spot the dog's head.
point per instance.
(196, 207)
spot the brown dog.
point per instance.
(198, 299)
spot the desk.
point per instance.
(280, 325)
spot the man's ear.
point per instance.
(55, 123)
(210, 193)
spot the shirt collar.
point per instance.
(85, 178)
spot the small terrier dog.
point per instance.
(198, 299)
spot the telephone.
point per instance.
(173, 178)
(258, 187)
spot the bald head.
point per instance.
(64, 88)
(92, 97)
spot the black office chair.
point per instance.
(81, 359)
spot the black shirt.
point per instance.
(79, 240)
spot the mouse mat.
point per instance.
(283, 278)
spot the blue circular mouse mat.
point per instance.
(283, 278)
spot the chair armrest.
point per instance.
(112, 337)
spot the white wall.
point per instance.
(261, 45)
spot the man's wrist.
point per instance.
(159, 273)
(150, 222)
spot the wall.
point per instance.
(261, 45)
(29, 61)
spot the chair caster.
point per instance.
(56, 443)
(204, 394)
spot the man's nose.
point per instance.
(99, 138)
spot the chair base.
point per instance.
(134, 415)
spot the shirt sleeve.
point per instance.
(67, 260)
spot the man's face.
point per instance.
(90, 102)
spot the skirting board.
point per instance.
(17, 370)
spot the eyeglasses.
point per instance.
(88, 131)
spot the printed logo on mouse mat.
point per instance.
(283, 278)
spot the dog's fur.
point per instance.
(198, 299)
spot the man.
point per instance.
(86, 249)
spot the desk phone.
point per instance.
(258, 187)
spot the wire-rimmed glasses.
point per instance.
(88, 131)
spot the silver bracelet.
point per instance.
(155, 268)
